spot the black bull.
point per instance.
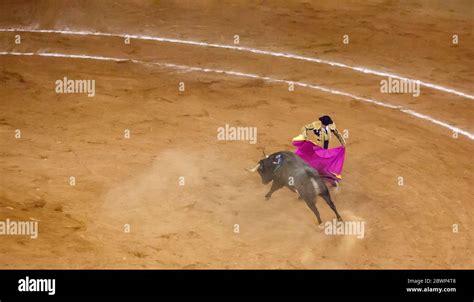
(288, 169)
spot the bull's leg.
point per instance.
(275, 186)
(311, 202)
(294, 190)
(331, 204)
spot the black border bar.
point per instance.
(318, 283)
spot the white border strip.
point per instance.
(246, 49)
(248, 75)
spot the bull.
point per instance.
(287, 169)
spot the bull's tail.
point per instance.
(333, 181)
(337, 188)
(316, 178)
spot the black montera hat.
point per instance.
(326, 120)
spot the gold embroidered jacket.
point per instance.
(322, 133)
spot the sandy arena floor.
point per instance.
(135, 181)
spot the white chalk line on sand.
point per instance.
(246, 49)
(251, 76)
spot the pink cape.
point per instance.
(327, 162)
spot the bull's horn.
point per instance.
(264, 154)
(254, 168)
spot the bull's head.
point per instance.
(265, 168)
